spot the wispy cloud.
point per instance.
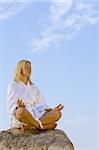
(10, 9)
(65, 20)
(59, 9)
(45, 42)
(75, 122)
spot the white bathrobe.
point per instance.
(31, 97)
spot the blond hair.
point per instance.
(18, 70)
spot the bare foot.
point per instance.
(49, 126)
(25, 128)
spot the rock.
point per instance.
(14, 139)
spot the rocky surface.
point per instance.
(14, 139)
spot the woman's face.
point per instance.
(26, 69)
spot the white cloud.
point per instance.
(7, 10)
(75, 122)
(78, 120)
(58, 9)
(47, 40)
(65, 20)
(16, 1)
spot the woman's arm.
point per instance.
(59, 108)
(11, 98)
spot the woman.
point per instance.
(26, 107)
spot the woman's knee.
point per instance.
(20, 111)
(57, 115)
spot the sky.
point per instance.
(60, 38)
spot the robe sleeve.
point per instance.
(12, 98)
(40, 99)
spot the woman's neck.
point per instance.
(24, 80)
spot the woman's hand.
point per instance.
(59, 107)
(48, 109)
(20, 103)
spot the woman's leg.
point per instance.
(49, 126)
(48, 120)
(50, 117)
(23, 115)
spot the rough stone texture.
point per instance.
(14, 139)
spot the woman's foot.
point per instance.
(50, 126)
(24, 128)
(27, 128)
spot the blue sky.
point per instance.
(60, 38)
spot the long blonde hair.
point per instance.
(18, 70)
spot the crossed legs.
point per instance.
(48, 120)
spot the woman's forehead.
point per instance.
(28, 64)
